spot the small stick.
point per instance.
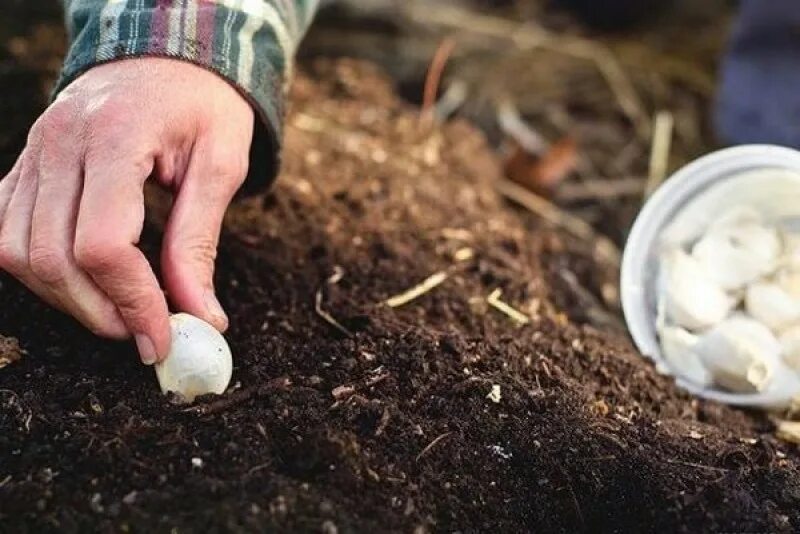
(659, 151)
(600, 189)
(528, 36)
(327, 317)
(513, 125)
(434, 78)
(384, 422)
(417, 291)
(453, 98)
(697, 466)
(558, 217)
(494, 301)
(432, 444)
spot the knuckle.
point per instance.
(48, 264)
(198, 252)
(136, 305)
(109, 111)
(229, 172)
(57, 117)
(105, 329)
(11, 258)
(96, 255)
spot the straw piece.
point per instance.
(417, 291)
(494, 301)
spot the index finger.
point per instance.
(110, 220)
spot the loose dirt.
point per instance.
(384, 422)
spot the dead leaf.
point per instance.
(542, 174)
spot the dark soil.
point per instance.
(386, 427)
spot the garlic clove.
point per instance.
(691, 300)
(769, 304)
(199, 359)
(790, 341)
(677, 347)
(789, 280)
(791, 250)
(740, 215)
(737, 254)
(741, 354)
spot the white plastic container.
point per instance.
(678, 212)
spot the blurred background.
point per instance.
(587, 103)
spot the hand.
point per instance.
(72, 208)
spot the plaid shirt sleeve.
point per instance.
(250, 43)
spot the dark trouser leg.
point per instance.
(759, 97)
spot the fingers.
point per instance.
(110, 219)
(53, 226)
(192, 233)
(8, 184)
(15, 228)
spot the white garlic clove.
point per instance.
(691, 300)
(737, 216)
(790, 341)
(677, 347)
(789, 280)
(741, 354)
(199, 359)
(737, 250)
(769, 304)
(791, 251)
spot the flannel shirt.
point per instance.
(250, 43)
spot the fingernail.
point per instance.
(147, 351)
(215, 310)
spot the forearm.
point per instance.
(250, 43)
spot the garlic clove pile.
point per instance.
(769, 304)
(691, 299)
(678, 346)
(738, 249)
(741, 354)
(199, 359)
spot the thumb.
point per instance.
(192, 234)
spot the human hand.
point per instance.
(72, 207)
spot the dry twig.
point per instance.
(432, 444)
(558, 217)
(600, 189)
(327, 317)
(434, 79)
(417, 291)
(494, 301)
(659, 151)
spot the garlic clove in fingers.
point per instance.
(199, 359)
(691, 299)
(741, 354)
(769, 304)
(678, 346)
